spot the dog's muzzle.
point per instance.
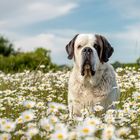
(87, 66)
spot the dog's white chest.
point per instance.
(84, 97)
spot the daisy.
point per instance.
(108, 132)
(2, 121)
(72, 135)
(123, 131)
(85, 130)
(59, 135)
(9, 126)
(5, 136)
(40, 105)
(109, 119)
(45, 124)
(27, 116)
(29, 104)
(92, 121)
(19, 120)
(53, 119)
(31, 132)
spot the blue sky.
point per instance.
(52, 23)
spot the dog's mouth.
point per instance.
(87, 68)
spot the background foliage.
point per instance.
(16, 61)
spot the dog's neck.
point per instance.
(88, 79)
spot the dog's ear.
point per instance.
(70, 47)
(106, 49)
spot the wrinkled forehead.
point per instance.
(85, 39)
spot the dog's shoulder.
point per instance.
(109, 71)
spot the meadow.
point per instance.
(33, 105)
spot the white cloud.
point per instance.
(18, 13)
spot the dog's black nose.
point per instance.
(87, 50)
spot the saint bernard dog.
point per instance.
(92, 79)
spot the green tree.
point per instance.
(117, 64)
(138, 61)
(6, 47)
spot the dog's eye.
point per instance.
(96, 46)
(79, 46)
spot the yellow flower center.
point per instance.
(19, 120)
(138, 97)
(8, 127)
(28, 106)
(60, 136)
(27, 117)
(3, 122)
(92, 122)
(5, 138)
(86, 130)
(53, 107)
(47, 127)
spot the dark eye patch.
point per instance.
(97, 47)
(79, 46)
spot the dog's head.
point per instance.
(89, 51)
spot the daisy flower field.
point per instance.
(33, 105)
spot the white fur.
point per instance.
(86, 91)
